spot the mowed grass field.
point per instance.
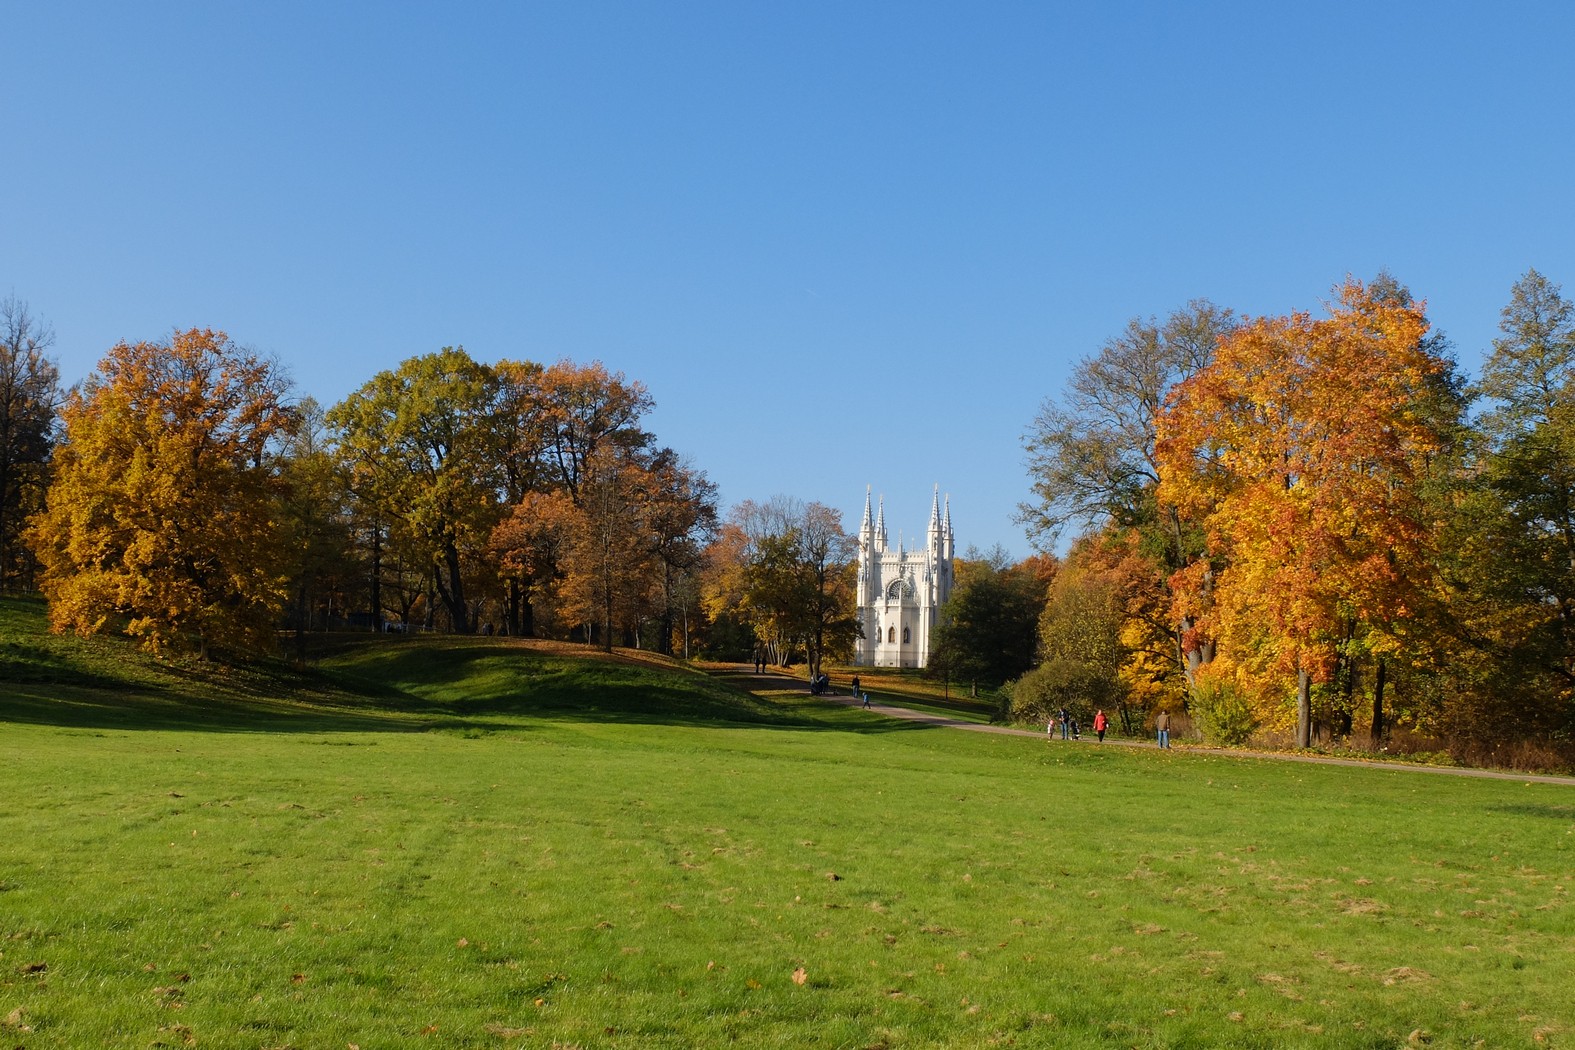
(478, 843)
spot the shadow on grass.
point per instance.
(1534, 809)
(501, 680)
(471, 686)
(75, 706)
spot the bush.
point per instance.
(1221, 713)
(1076, 686)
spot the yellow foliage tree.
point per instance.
(159, 521)
(1301, 450)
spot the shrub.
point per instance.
(1054, 684)
(1221, 713)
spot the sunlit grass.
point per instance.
(464, 844)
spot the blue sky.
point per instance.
(843, 244)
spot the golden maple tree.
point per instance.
(159, 520)
(1300, 450)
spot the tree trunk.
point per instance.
(1379, 728)
(1348, 692)
(377, 579)
(300, 624)
(511, 612)
(1303, 709)
(453, 591)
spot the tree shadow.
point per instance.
(115, 707)
(1535, 809)
(410, 688)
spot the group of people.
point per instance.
(1070, 730)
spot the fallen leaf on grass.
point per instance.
(37, 967)
(799, 976)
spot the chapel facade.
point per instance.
(901, 591)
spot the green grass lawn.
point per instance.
(435, 843)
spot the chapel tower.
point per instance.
(901, 591)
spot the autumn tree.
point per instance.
(1078, 641)
(584, 408)
(609, 562)
(160, 518)
(1299, 450)
(681, 518)
(561, 431)
(722, 581)
(530, 547)
(1092, 455)
(29, 397)
(790, 574)
(419, 444)
(521, 435)
(987, 629)
(313, 515)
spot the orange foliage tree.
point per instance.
(1300, 450)
(160, 519)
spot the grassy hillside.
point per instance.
(470, 843)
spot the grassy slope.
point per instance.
(463, 843)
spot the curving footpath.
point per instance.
(909, 715)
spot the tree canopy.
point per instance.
(160, 515)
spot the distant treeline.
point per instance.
(1287, 529)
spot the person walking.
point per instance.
(1100, 722)
(1162, 723)
(866, 699)
(1066, 725)
(854, 685)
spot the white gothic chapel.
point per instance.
(901, 591)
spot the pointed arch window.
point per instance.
(891, 634)
(905, 638)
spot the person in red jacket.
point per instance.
(1100, 722)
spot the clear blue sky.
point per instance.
(843, 244)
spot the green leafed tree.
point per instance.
(987, 630)
(420, 446)
(1525, 510)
